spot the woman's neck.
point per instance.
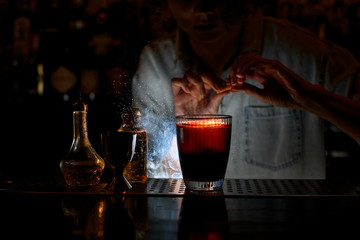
(216, 55)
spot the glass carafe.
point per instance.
(81, 166)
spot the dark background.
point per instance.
(96, 43)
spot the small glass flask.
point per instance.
(136, 170)
(81, 166)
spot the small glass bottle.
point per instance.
(81, 166)
(136, 170)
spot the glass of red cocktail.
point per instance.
(204, 144)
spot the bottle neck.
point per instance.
(131, 123)
(80, 133)
(138, 123)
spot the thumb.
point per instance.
(216, 100)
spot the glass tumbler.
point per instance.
(204, 145)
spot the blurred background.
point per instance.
(51, 50)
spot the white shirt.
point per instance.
(267, 141)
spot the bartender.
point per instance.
(278, 82)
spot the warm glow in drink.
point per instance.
(136, 170)
(204, 144)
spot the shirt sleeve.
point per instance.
(342, 72)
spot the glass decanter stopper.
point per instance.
(81, 166)
(136, 170)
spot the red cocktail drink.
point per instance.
(204, 144)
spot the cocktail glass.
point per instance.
(204, 144)
(118, 148)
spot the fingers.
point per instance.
(213, 82)
(191, 84)
(268, 72)
(180, 90)
(254, 67)
(260, 76)
(196, 87)
(250, 90)
(216, 101)
(218, 84)
(240, 67)
(193, 92)
(180, 84)
(227, 89)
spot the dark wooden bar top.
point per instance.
(163, 209)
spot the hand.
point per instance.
(193, 95)
(281, 86)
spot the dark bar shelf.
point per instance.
(176, 188)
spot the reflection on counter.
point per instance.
(203, 218)
(106, 218)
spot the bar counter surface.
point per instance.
(41, 208)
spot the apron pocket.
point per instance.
(272, 137)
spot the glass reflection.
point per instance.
(203, 218)
(97, 218)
